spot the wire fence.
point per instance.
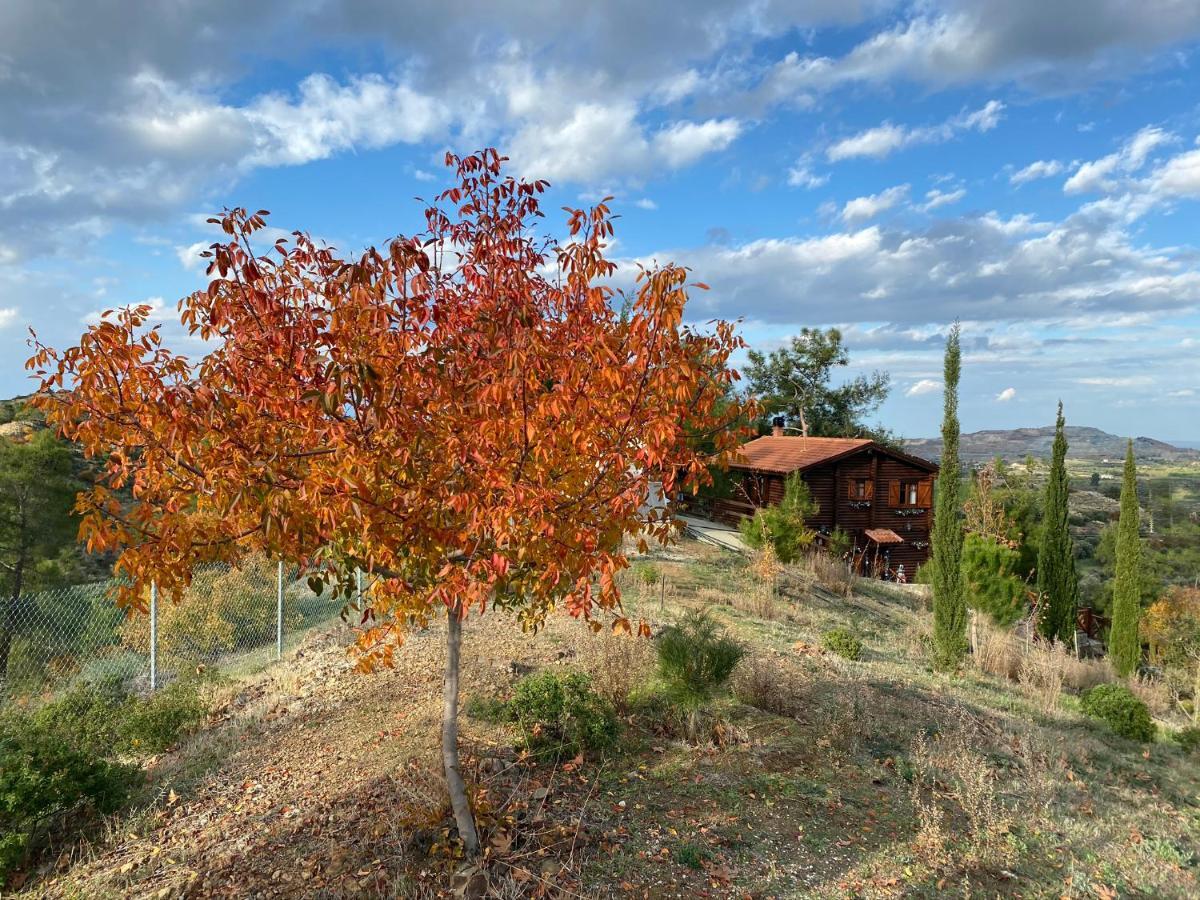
(229, 618)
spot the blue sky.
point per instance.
(1030, 168)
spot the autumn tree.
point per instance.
(463, 414)
(949, 596)
(1125, 646)
(1058, 586)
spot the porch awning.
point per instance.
(883, 536)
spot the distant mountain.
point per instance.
(1083, 442)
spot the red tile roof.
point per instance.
(792, 454)
(883, 536)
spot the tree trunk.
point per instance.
(459, 802)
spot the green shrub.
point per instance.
(696, 658)
(783, 526)
(47, 784)
(843, 642)
(646, 573)
(1188, 738)
(89, 716)
(1124, 713)
(839, 543)
(562, 714)
(154, 723)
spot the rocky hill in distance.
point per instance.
(1084, 443)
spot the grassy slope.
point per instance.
(870, 778)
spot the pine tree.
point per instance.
(949, 599)
(1057, 583)
(1124, 646)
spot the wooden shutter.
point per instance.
(925, 493)
(893, 494)
(852, 488)
(870, 495)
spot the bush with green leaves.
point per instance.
(783, 526)
(155, 723)
(46, 784)
(104, 718)
(1124, 713)
(1188, 738)
(843, 642)
(561, 714)
(696, 657)
(989, 567)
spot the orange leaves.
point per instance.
(449, 414)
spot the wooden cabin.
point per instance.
(882, 498)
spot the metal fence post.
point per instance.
(358, 583)
(153, 635)
(279, 611)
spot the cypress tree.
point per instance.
(949, 599)
(1124, 646)
(1057, 584)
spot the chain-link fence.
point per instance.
(232, 618)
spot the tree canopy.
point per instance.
(464, 414)
(795, 381)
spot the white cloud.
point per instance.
(1116, 381)
(936, 198)
(862, 208)
(802, 175)
(924, 386)
(1042, 168)
(885, 139)
(8, 315)
(683, 143)
(1098, 175)
(1178, 176)
(1005, 395)
(645, 203)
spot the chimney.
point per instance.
(777, 426)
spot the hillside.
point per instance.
(823, 777)
(1085, 443)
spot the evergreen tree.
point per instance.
(949, 599)
(1125, 647)
(1057, 583)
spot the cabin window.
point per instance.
(860, 489)
(911, 493)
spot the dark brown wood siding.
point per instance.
(832, 487)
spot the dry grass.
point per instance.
(831, 574)
(1042, 673)
(1042, 670)
(1154, 692)
(762, 680)
(617, 664)
(964, 820)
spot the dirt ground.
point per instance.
(840, 779)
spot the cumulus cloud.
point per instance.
(1005, 395)
(862, 208)
(924, 386)
(1100, 174)
(1178, 176)
(1042, 168)
(887, 138)
(937, 198)
(8, 315)
(1084, 269)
